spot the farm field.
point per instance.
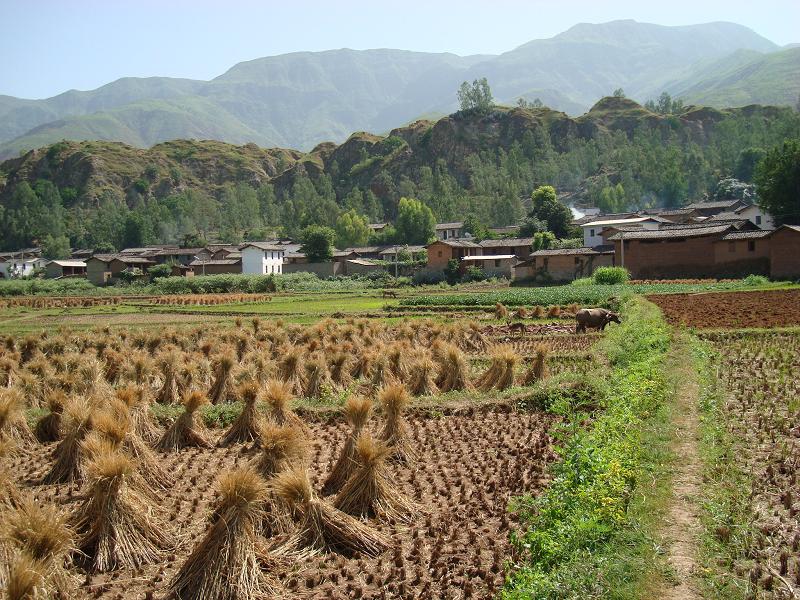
(775, 308)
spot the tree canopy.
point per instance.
(548, 209)
(476, 97)
(777, 181)
(317, 243)
(352, 230)
(415, 222)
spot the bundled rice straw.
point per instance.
(291, 370)
(48, 428)
(13, 425)
(340, 369)
(322, 527)
(186, 430)
(222, 373)
(538, 368)
(318, 379)
(371, 491)
(282, 447)
(357, 411)
(278, 396)
(422, 378)
(453, 370)
(500, 373)
(168, 393)
(227, 564)
(139, 413)
(68, 464)
(246, 426)
(115, 522)
(394, 399)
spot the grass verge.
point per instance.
(589, 534)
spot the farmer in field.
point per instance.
(594, 318)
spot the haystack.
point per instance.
(48, 427)
(282, 447)
(340, 369)
(422, 381)
(453, 370)
(187, 430)
(278, 396)
(227, 564)
(357, 411)
(116, 525)
(538, 368)
(138, 405)
(394, 400)
(291, 370)
(371, 490)
(246, 426)
(168, 393)
(68, 457)
(13, 425)
(318, 378)
(323, 528)
(500, 374)
(222, 379)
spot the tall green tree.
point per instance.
(55, 247)
(548, 209)
(415, 222)
(317, 243)
(352, 230)
(476, 97)
(777, 181)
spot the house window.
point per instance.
(440, 253)
(758, 219)
(497, 263)
(731, 246)
(751, 246)
(591, 233)
(546, 260)
(577, 260)
(444, 234)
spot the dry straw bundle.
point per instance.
(538, 368)
(68, 455)
(357, 412)
(500, 373)
(38, 544)
(168, 393)
(220, 389)
(282, 447)
(13, 425)
(291, 370)
(323, 528)
(453, 370)
(9, 493)
(48, 427)
(187, 430)
(246, 426)
(394, 400)
(227, 564)
(340, 369)
(278, 396)
(114, 521)
(423, 377)
(371, 491)
(138, 405)
(318, 378)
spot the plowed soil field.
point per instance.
(779, 308)
(469, 466)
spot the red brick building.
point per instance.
(785, 252)
(440, 251)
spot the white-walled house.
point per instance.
(757, 216)
(593, 231)
(262, 258)
(11, 268)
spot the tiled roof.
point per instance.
(412, 249)
(583, 251)
(221, 261)
(455, 225)
(747, 235)
(603, 222)
(456, 243)
(364, 249)
(713, 204)
(263, 246)
(67, 263)
(506, 243)
(489, 257)
(672, 232)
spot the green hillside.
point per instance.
(301, 99)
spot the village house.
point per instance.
(390, 254)
(57, 269)
(262, 258)
(593, 231)
(103, 269)
(709, 208)
(441, 251)
(495, 265)
(450, 231)
(784, 246)
(181, 256)
(217, 266)
(519, 247)
(564, 264)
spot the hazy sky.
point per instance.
(50, 46)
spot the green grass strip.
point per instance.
(588, 535)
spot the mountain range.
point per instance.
(300, 99)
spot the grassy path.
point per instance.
(681, 525)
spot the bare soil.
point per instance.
(778, 308)
(470, 466)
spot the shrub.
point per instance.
(754, 280)
(159, 271)
(583, 281)
(611, 275)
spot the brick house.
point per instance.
(785, 252)
(519, 247)
(450, 231)
(65, 268)
(102, 269)
(714, 207)
(441, 251)
(564, 264)
(748, 250)
(218, 266)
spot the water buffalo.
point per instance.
(595, 318)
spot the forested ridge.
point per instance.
(619, 155)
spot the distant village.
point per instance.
(709, 239)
